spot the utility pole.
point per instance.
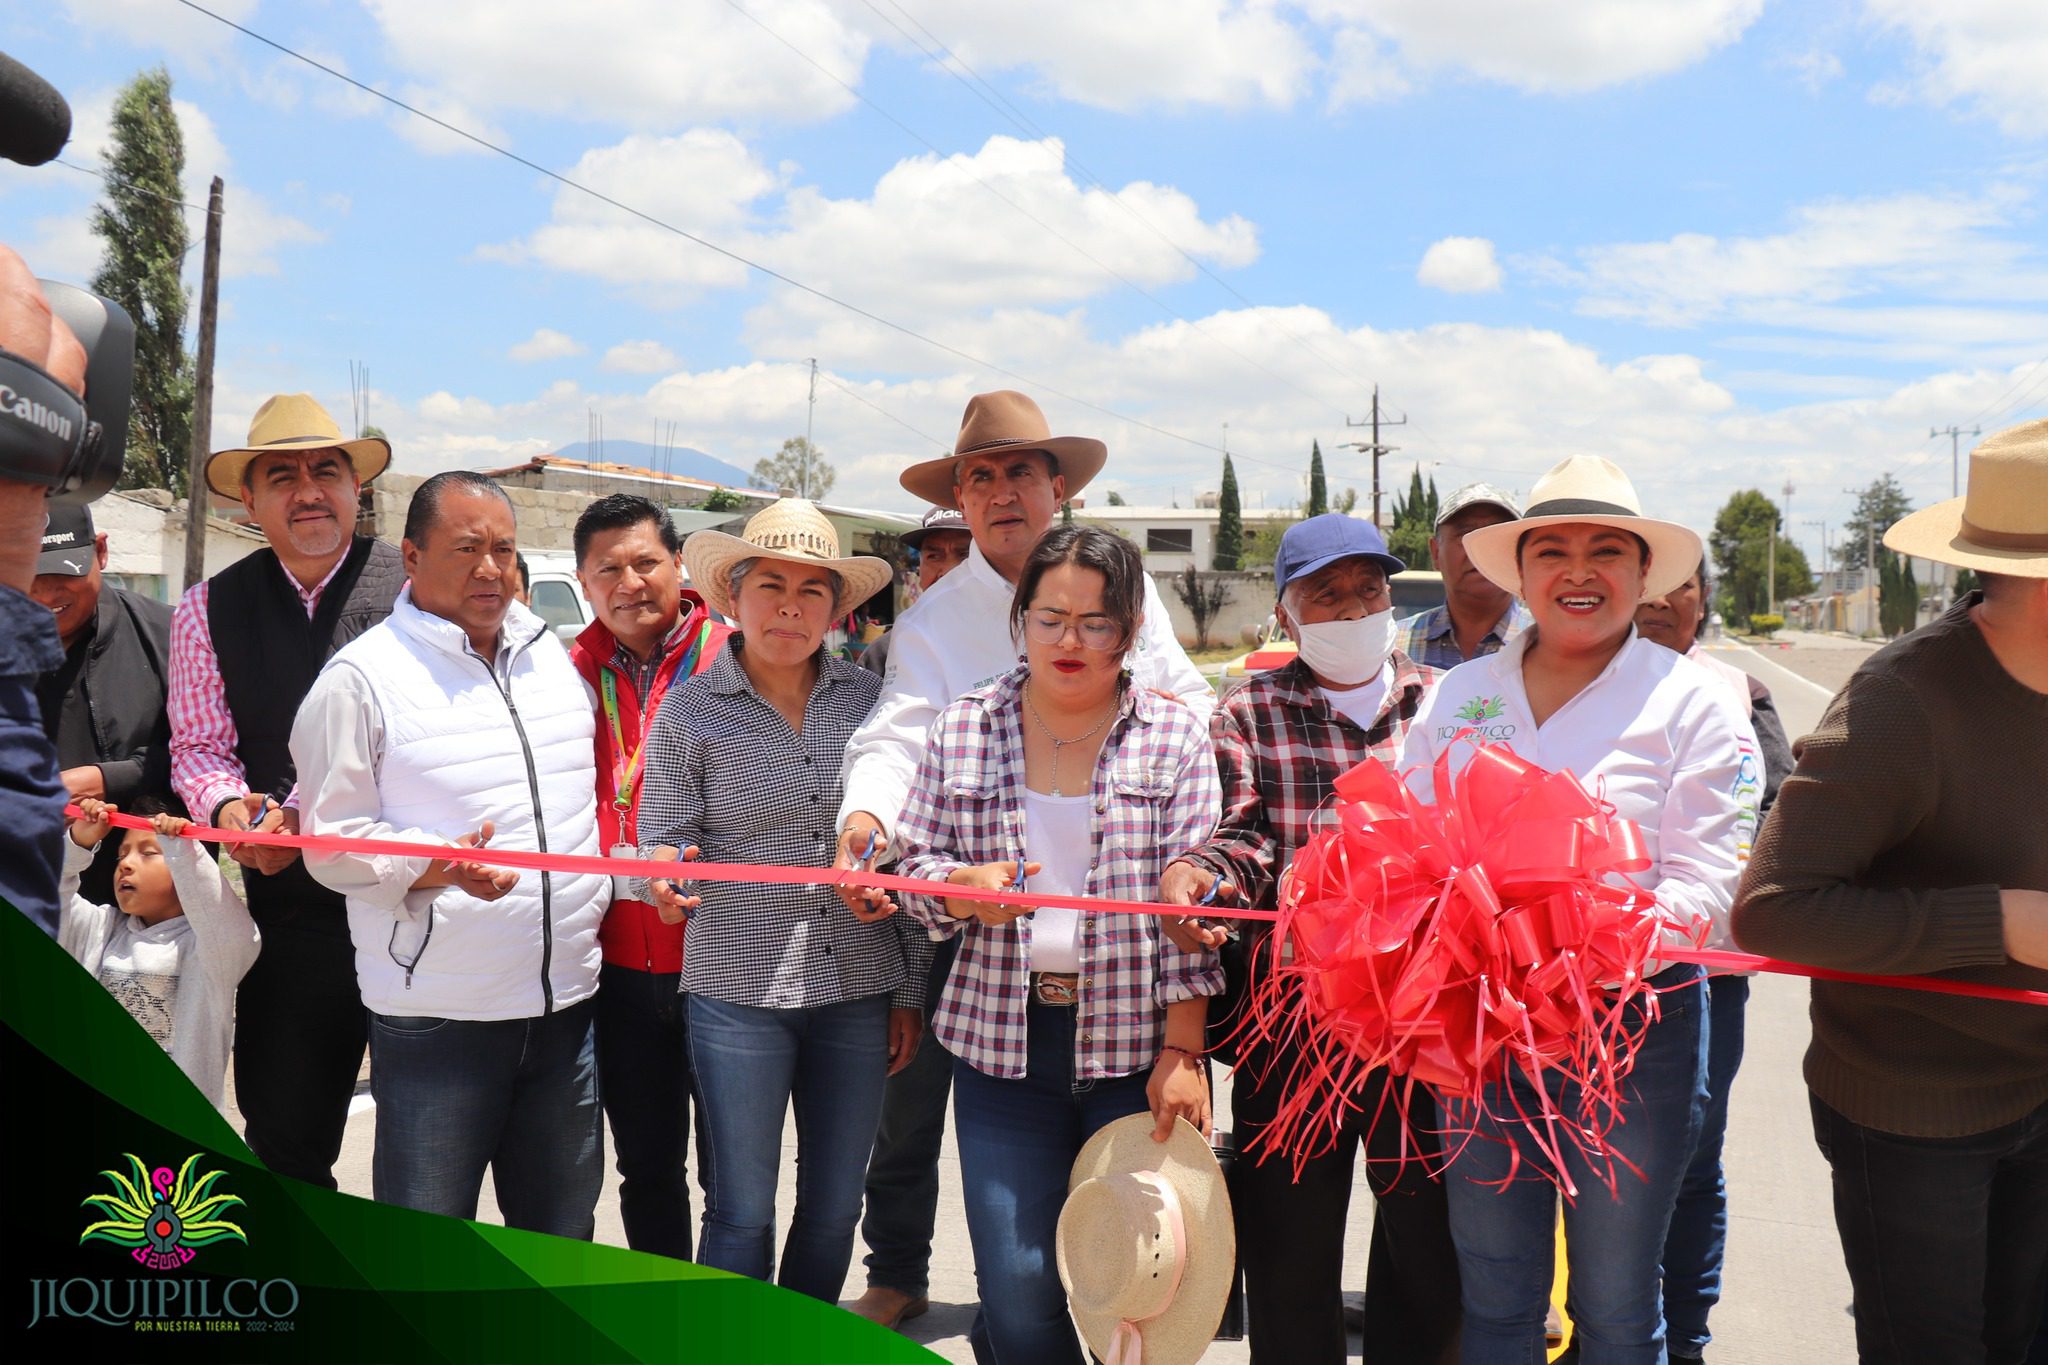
(1777, 529)
(1955, 436)
(1377, 449)
(196, 494)
(803, 478)
(1822, 527)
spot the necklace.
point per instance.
(1058, 743)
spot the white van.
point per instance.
(558, 598)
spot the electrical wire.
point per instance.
(125, 185)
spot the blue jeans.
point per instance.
(903, 1173)
(643, 1069)
(751, 1064)
(517, 1096)
(1018, 1140)
(1694, 1247)
(1507, 1236)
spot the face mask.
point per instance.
(1347, 652)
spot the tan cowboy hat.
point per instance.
(792, 530)
(1005, 420)
(2001, 524)
(1146, 1246)
(293, 421)
(1587, 488)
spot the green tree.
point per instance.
(1347, 502)
(1204, 600)
(1966, 583)
(1318, 490)
(799, 466)
(1229, 523)
(142, 222)
(1115, 499)
(1878, 505)
(1898, 594)
(1067, 512)
(372, 429)
(724, 500)
(1741, 547)
(1414, 521)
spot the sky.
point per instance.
(1724, 243)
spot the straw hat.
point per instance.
(792, 530)
(1586, 488)
(1005, 420)
(2001, 524)
(293, 421)
(1146, 1246)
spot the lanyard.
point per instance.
(626, 766)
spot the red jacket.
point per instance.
(632, 934)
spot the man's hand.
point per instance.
(30, 330)
(475, 879)
(859, 843)
(86, 780)
(264, 816)
(92, 823)
(906, 1026)
(997, 877)
(670, 903)
(1177, 1089)
(1183, 883)
(2026, 926)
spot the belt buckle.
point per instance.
(1054, 988)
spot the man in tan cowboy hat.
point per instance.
(245, 648)
(1008, 475)
(1912, 839)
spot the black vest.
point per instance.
(270, 653)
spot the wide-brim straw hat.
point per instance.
(791, 530)
(1145, 1244)
(293, 421)
(1000, 421)
(1586, 488)
(2000, 525)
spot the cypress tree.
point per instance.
(1318, 490)
(1229, 524)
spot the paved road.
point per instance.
(1786, 1296)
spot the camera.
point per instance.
(48, 436)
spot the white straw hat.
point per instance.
(293, 421)
(1146, 1245)
(2001, 524)
(791, 530)
(1586, 488)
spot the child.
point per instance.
(172, 947)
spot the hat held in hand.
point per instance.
(1146, 1245)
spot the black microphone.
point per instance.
(35, 122)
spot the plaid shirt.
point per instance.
(1154, 795)
(1429, 640)
(1279, 747)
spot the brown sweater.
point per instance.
(1924, 791)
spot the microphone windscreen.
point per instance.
(35, 122)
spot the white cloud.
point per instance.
(1814, 70)
(546, 344)
(150, 24)
(938, 234)
(1988, 56)
(640, 357)
(1460, 265)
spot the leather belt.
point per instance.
(1055, 988)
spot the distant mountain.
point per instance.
(691, 464)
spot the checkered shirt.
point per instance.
(1279, 747)
(726, 773)
(1154, 795)
(1429, 639)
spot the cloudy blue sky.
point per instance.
(1726, 243)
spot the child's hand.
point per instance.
(92, 823)
(168, 825)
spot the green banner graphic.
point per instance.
(142, 1227)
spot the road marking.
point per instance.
(1826, 694)
(360, 1104)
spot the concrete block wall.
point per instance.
(547, 520)
(1242, 617)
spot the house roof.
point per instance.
(562, 464)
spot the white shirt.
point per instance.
(1361, 705)
(1655, 734)
(955, 638)
(1057, 837)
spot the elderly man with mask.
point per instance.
(460, 720)
(1281, 741)
(103, 707)
(1008, 475)
(245, 647)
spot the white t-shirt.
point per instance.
(140, 969)
(1056, 837)
(1361, 705)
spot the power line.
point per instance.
(862, 399)
(704, 242)
(2025, 378)
(113, 181)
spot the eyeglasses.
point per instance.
(1050, 627)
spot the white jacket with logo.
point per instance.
(410, 734)
(1656, 734)
(955, 638)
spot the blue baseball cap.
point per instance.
(1321, 541)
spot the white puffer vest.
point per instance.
(465, 743)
